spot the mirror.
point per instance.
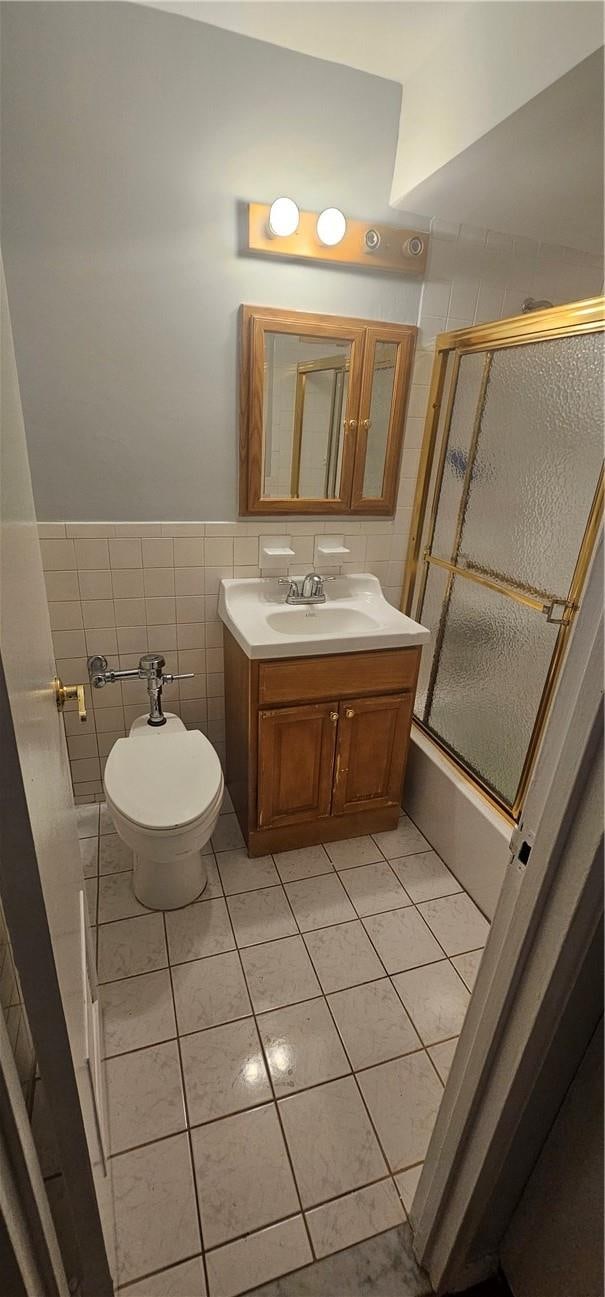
(381, 402)
(305, 402)
(322, 412)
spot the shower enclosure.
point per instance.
(508, 506)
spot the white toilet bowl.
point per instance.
(164, 787)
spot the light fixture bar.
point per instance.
(398, 249)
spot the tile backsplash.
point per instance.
(120, 589)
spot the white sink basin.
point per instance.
(355, 616)
(321, 620)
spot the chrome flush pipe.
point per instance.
(150, 668)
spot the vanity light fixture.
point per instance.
(331, 227)
(414, 247)
(284, 217)
(371, 240)
(281, 229)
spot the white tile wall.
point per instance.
(474, 275)
(122, 588)
(119, 588)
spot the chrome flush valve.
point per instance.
(150, 668)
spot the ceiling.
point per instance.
(387, 39)
(538, 173)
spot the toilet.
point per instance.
(164, 788)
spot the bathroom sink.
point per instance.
(355, 616)
(321, 620)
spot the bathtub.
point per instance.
(469, 835)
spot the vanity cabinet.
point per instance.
(371, 752)
(317, 746)
(296, 747)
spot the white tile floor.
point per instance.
(276, 1051)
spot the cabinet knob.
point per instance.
(333, 716)
(349, 713)
(351, 424)
(366, 424)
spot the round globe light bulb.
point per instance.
(331, 227)
(283, 217)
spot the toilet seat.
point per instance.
(168, 782)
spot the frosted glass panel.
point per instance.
(538, 458)
(462, 423)
(383, 380)
(492, 669)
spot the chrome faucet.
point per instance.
(150, 668)
(307, 589)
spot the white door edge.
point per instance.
(472, 1112)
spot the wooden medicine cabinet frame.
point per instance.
(363, 337)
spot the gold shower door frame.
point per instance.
(558, 607)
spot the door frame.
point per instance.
(41, 882)
(570, 320)
(540, 945)
(23, 903)
(24, 1205)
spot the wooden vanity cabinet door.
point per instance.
(373, 736)
(296, 748)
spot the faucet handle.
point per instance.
(168, 677)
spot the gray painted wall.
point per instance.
(129, 138)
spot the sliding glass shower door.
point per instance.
(505, 520)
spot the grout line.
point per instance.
(274, 1101)
(148, 1143)
(276, 1105)
(362, 1097)
(398, 1192)
(112, 981)
(151, 1274)
(244, 891)
(186, 1108)
(347, 1246)
(427, 926)
(283, 1135)
(152, 1044)
(258, 1014)
(291, 1004)
(200, 900)
(292, 1216)
(285, 937)
(437, 1073)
